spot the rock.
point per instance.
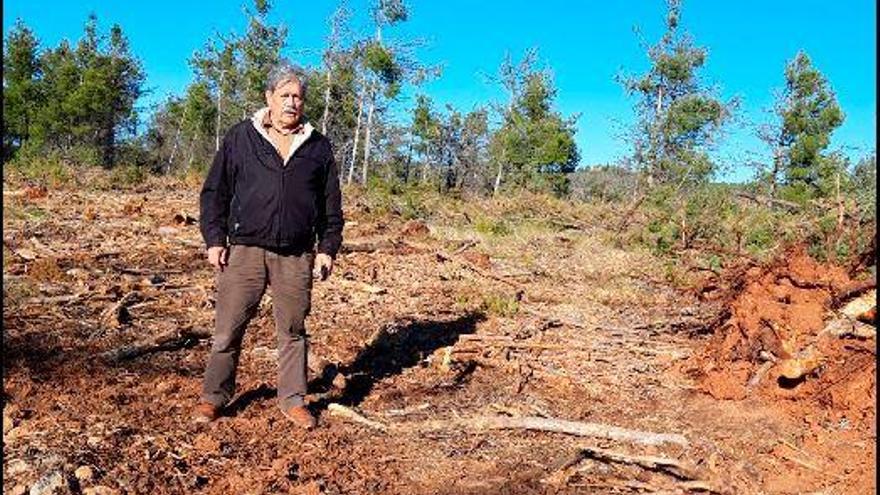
(167, 387)
(860, 305)
(84, 473)
(49, 484)
(13, 435)
(339, 381)
(206, 443)
(16, 466)
(78, 273)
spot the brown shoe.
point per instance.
(206, 412)
(301, 417)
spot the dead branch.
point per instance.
(504, 341)
(653, 463)
(552, 321)
(627, 215)
(55, 299)
(347, 413)
(464, 247)
(766, 200)
(167, 341)
(365, 247)
(372, 289)
(577, 428)
(853, 290)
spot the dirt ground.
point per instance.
(424, 331)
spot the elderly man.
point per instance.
(271, 195)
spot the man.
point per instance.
(271, 193)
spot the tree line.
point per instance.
(79, 102)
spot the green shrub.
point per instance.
(127, 176)
(500, 305)
(493, 227)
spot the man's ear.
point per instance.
(268, 97)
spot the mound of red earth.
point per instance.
(799, 333)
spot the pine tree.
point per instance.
(535, 144)
(809, 114)
(21, 93)
(679, 116)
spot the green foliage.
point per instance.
(679, 117)
(492, 226)
(52, 168)
(66, 98)
(501, 305)
(534, 145)
(809, 114)
(603, 183)
(380, 60)
(127, 176)
(20, 90)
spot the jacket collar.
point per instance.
(259, 122)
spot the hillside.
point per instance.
(453, 355)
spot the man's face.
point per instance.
(286, 103)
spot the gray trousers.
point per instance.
(240, 287)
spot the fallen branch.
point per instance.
(464, 247)
(576, 428)
(766, 200)
(56, 299)
(653, 463)
(347, 413)
(372, 289)
(507, 342)
(853, 290)
(365, 247)
(169, 341)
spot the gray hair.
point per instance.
(282, 72)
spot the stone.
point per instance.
(16, 466)
(84, 473)
(49, 484)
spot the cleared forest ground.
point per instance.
(436, 352)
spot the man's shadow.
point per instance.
(394, 349)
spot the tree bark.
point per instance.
(367, 136)
(357, 131)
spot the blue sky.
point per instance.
(585, 43)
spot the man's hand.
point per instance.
(323, 266)
(217, 257)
